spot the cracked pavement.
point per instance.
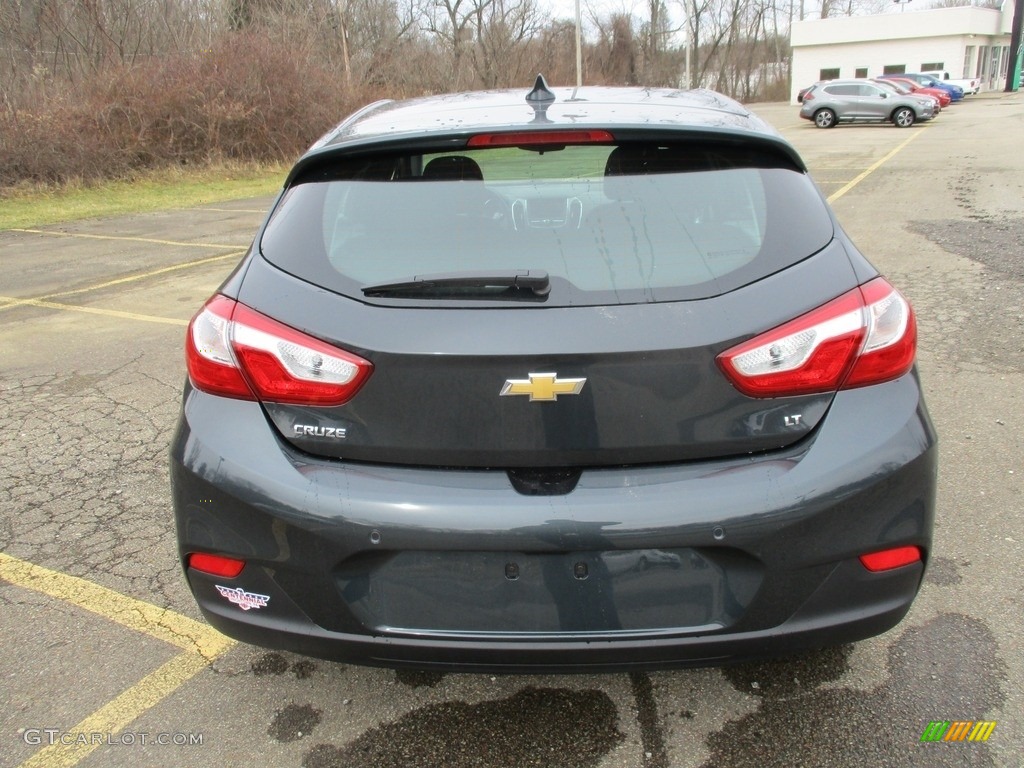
(89, 392)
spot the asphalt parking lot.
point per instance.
(106, 662)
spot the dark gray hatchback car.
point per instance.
(581, 380)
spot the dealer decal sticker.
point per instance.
(958, 730)
(241, 598)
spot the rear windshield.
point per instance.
(607, 224)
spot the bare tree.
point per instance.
(69, 40)
(503, 28)
(552, 52)
(618, 49)
(381, 39)
(707, 25)
(452, 22)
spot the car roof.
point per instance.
(611, 108)
(846, 81)
(452, 119)
(606, 106)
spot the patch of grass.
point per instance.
(512, 164)
(153, 191)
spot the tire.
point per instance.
(824, 118)
(903, 117)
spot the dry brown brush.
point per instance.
(244, 98)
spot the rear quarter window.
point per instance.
(609, 224)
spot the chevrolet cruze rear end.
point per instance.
(578, 381)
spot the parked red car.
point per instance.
(902, 90)
(943, 97)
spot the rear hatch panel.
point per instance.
(653, 392)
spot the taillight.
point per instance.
(891, 343)
(866, 336)
(235, 351)
(211, 366)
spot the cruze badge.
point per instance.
(307, 430)
(544, 387)
(244, 600)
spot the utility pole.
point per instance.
(687, 46)
(579, 49)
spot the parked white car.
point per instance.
(970, 85)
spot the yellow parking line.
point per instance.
(123, 238)
(201, 644)
(144, 275)
(232, 210)
(119, 713)
(161, 623)
(9, 302)
(872, 168)
(92, 311)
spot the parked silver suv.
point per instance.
(850, 101)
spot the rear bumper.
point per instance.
(396, 566)
(850, 605)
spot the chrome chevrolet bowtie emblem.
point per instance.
(543, 386)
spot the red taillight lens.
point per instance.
(216, 565)
(284, 365)
(866, 336)
(891, 342)
(540, 138)
(211, 366)
(888, 559)
(235, 351)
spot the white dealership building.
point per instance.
(967, 42)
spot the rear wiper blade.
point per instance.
(535, 281)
